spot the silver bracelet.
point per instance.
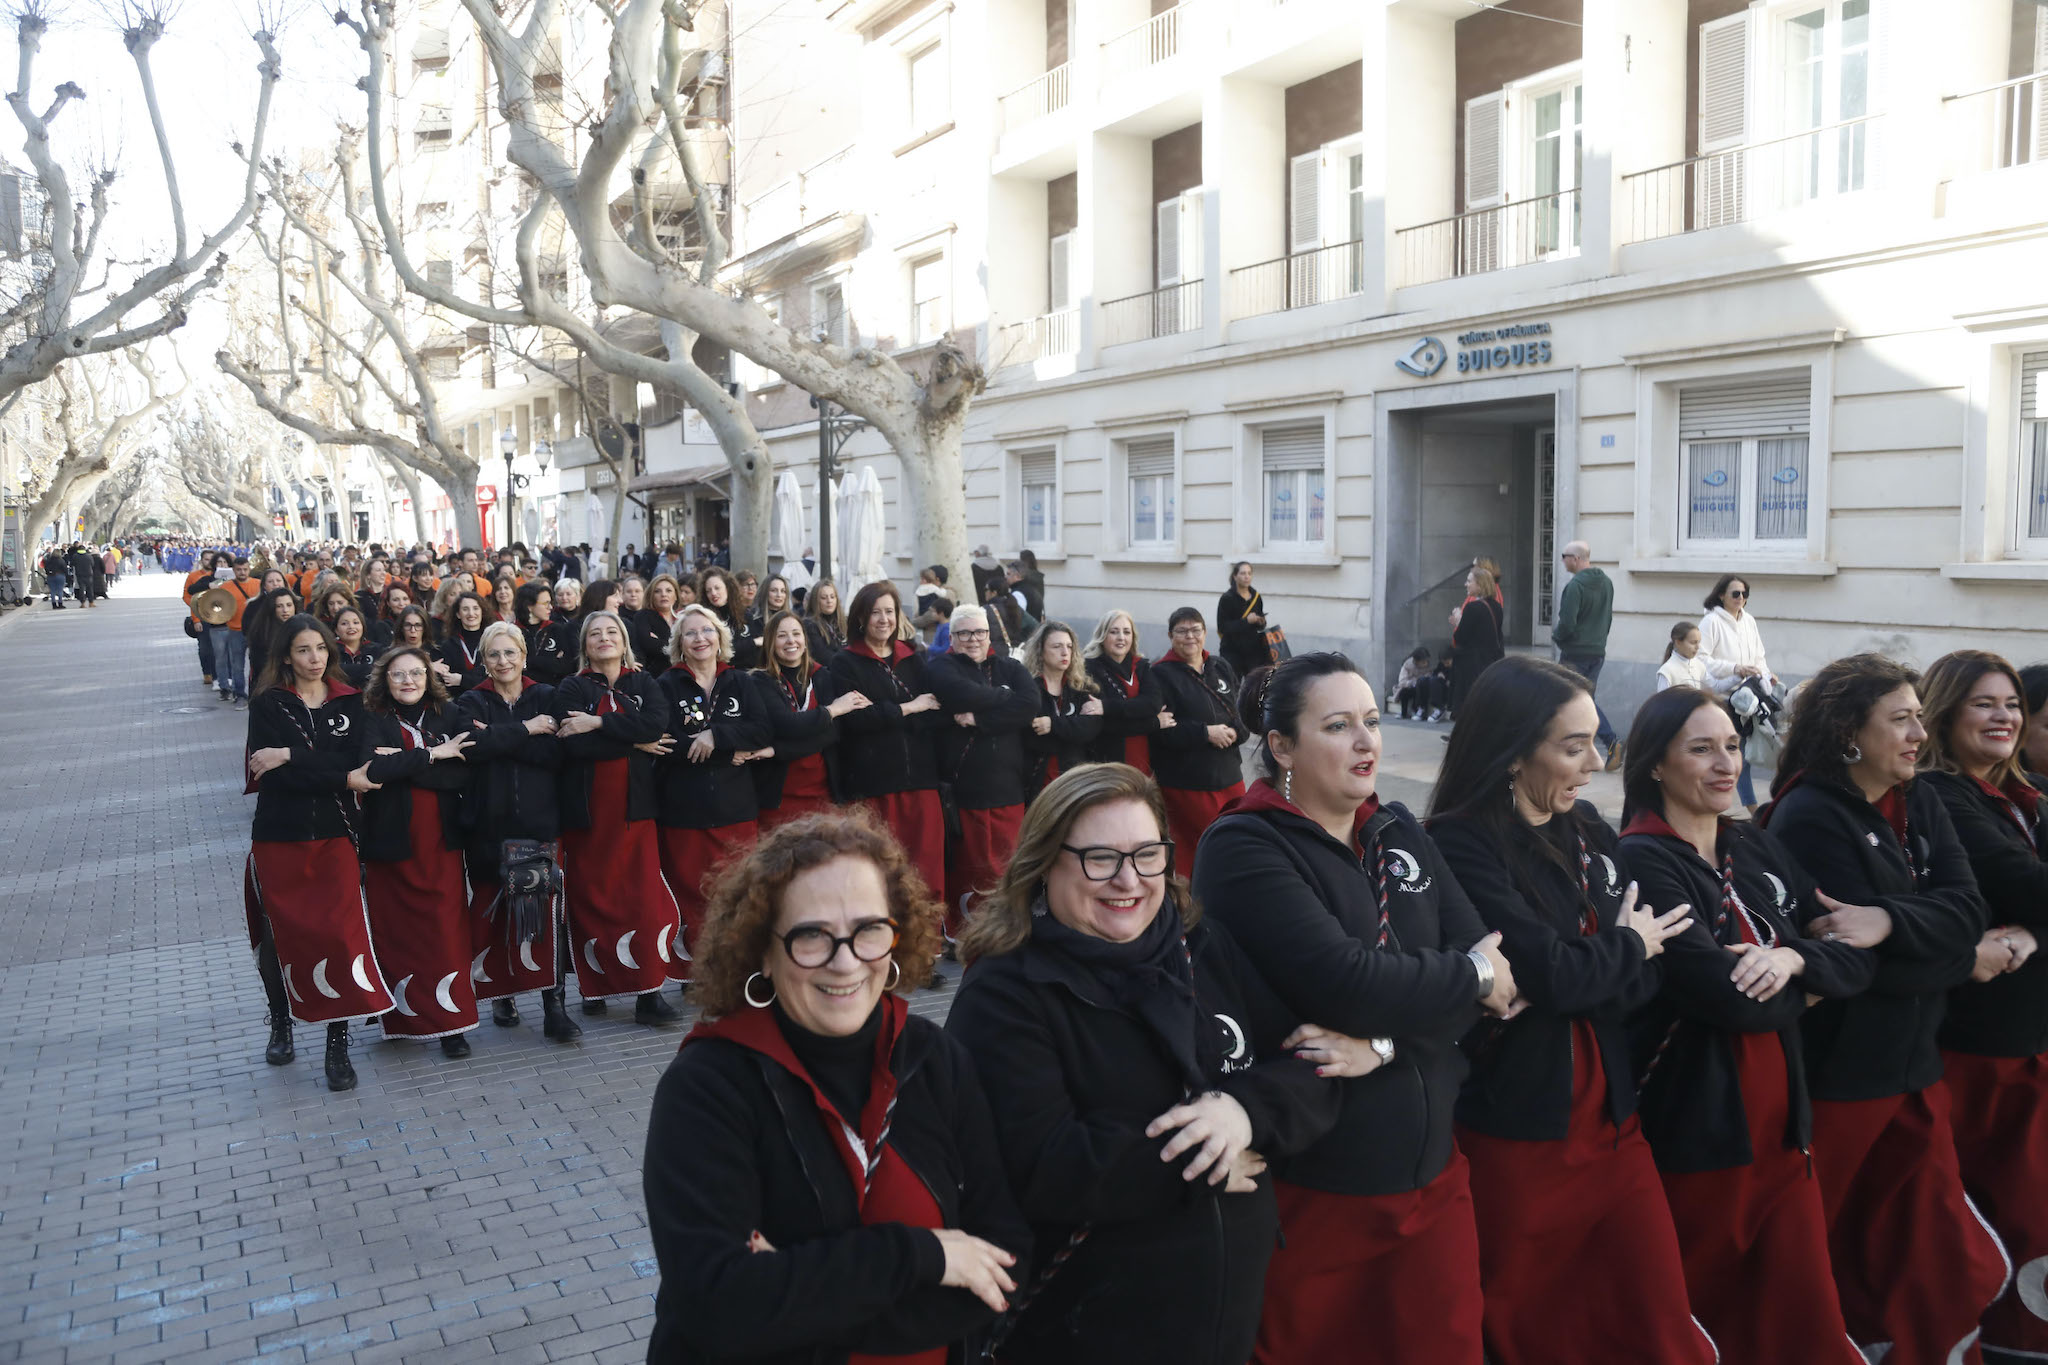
(1484, 966)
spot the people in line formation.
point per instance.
(1276, 1072)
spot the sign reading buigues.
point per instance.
(1498, 348)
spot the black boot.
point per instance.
(455, 1045)
(556, 1024)
(596, 1006)
(504, 1013)
(654, 1008)
(279, 1051)
(341, 1074)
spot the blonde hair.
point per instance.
(674, 583)
(625, 639)
(675, 632)
(1110, 618)
(1076, 678)
(496, 629)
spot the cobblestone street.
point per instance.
(164, 1195)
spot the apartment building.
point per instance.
(1358, 291)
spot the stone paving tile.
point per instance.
(164, 1195)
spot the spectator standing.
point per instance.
(1585, 613)
(1683, 666)
(1241, 622)
(57, 578)
(1475, 635)
(1734, 650)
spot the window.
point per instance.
(1038, 480)
(1059, 273)
(927, 299)
(828, 312)
(1325, 207)
(930, 100)
(1292, 471)
(1525, 154)
(1148, 472)
(1556, 140)
(440, 274)
(2032, 501)
(1824, 79)
(749, 374)
(1744, 461)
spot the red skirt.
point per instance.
(419, 908)
(1375, 1280)
(805, 791)
(688, 858)
(311, 894)
(1755, 1238)
(919, 823)
(2000, 1117)
(1577, 1256)
(1915, 1263)
(975, 865)
(1138, 753)
(1188, 814)
(506, 965)
(616, 895)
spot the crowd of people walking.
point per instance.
(1276, 1071)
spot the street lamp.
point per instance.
(508, 442)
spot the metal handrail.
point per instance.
(1752, 146)
(2002, 85)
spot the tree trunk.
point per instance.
(935, 499)
(467, 516)
(410, 482)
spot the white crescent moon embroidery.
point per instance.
(441, 995)
(1402, 864)
(2032, 1285)
(320, 981)
(1607, 866)
(362, 977)
(526, 955)
(661, 942)
(625, 950)
(476, 968)
(590, 956)
(1777, 888)
(1237, 1047)
(398, 999)
(290, 989)
(340, 723)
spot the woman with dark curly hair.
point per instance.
(822, 1177)
(412, 850)
(1914, 1262)
(1138, 1071)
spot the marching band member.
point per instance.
(1196, 758)
(797, 773)
(888, 751)
(1133, 707)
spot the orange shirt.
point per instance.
(247, 589)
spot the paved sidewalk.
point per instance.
(164, 1195)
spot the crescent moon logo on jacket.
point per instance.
(1237, 1053)
(1223, 685)
(1407, 871)
(1777, 889)
(338, 723)
(1613, 876)
(732, 706)
(550, 645)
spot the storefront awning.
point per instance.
(715, 477)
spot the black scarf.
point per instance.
(1151, 978)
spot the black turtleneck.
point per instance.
(844, 1068)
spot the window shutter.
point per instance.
(1035, 467)
(2034, 386)
(1149, 455)
(1057, 272)
(1305, 202)
(1168, 235)
(1191, 234)
(1724, 83)
(2040, 87)
(1760, 405)
(1485, 185)
(1298, 445)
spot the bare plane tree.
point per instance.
(95, 434)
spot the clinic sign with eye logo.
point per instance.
(1510, 346)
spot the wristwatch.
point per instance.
(1484, 966)
(1383, 1048)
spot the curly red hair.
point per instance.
(746, 896)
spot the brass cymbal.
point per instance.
(215, 606)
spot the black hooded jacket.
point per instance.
(306, 798)
(985, 761)
(641, 718)
(2006, 1016)
(715, 792)
(512, 793)
(1882, 1042)
(1691, 1093)
(386, 826)
(1536, 891)
(1072, 736)
(550, 651)
(649, 634)
(1171, 1270)
(799, 726)
(1124, 715)
(881, 750)
(1182, 755)
(1306, 910)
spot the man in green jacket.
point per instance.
(1584, 615)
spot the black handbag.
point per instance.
(530, 882)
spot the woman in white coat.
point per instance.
(1733, 649)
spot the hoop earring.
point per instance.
(1854, 753)
(895, 974)
(1287, 785)
(748, 992)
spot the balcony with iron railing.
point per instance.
(806, 197)
(1753, 181)
(1299, 280)
(1161, 312)
(1056, 333)
(1998, 127)
(1154, 42)
(1037, 98)
(1521, 232)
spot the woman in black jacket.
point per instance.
(720, 591)
(1913, 1262)
(1069, 718)
(1133, 707)
(460, 659)
(1723, 1080)
(1562, 1180)
(822, 1178)
(797, 772)
(1241, 622)
(824, 622)
(653, 623)
(352, 651)
(303, 885)
(888, 752)
(549, 642)
(513, 767)
(612, 721)
(1195, 759)
(1350, 917)
(988, 704)
(1995, 1039)
(1476, 640)
(704, 801)
(412, 851)
(262, 617)
(1135, 1064)
(383, 623)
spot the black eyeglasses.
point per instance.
(812, 945)
(1103, 864)
(1738, 592)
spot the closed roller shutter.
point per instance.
(1149, 455)
(1756, 405)
(2033, 375)
(1298, 445)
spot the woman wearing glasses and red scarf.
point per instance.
(1914, 1263)
(888, 753)
(1718, 1052)
(1995, 1039)
(823, 1182)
